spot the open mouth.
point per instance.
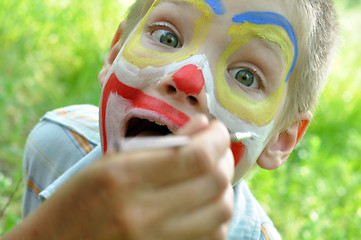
(143, 127)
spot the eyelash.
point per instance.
(151, 27)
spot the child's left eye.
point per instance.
(166, 37)
(245, 77)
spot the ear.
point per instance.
(113, 52)
(282, 144)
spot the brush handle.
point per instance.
(156, 142)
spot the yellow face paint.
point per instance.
(136, 54)
(244, 107)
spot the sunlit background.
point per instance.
(51, 52)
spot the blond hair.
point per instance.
(135, 14)
(316, 30)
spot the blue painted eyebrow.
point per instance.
(217, 6)
(271, 18)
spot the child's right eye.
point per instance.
(166, 37)
(164, 34)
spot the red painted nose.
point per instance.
(189, 79)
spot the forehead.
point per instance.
(222, 7)
(259, 12)
(240, 11)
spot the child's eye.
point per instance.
(165, 34)
(245, 77)
(166, 37)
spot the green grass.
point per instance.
(51, 52)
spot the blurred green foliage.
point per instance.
(51, 52)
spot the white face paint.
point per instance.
(119, 109)
(132, 86)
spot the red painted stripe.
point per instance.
(238, 151)
(139, 100)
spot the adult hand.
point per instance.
(171, 193)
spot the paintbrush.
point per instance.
(241, 136)
(147, 143)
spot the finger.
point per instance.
(165, 166)
(204, 221)
(186, 196)
(197, 124)
(149, 210)
(206, 148)
(220, 233)
(226, 165)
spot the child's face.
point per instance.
(227, 59)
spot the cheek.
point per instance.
(112, 112)
(241, 170)
(241, 105)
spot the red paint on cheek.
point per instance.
(238, 151)
(140, 100)
(189, 79)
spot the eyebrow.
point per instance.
(271, 18)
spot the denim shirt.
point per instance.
(67, 140)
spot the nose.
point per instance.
(189, 79)
(186, 85)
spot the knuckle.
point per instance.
(225, 211)
(219, 234)
(115, 177)
(219, 146)
(129, 222)
(220, 179)
(104, 180)
(203, 159)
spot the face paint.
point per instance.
(217, 6)
(238, 149)
(142, 57)
(232, 106)
(182, 80)
(254, 146)
(123, 99)
(147, 66)
(137, 67)
(275, 19)
(242, 106)
(138, 100)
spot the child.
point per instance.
(200, 68)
